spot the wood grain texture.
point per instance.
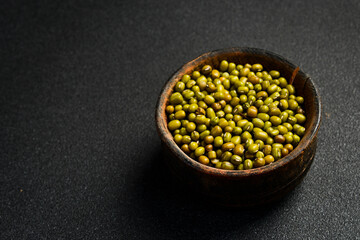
(248, 187)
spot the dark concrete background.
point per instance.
(78, 147)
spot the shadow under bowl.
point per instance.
(243, 188)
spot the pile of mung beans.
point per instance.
(235, 117)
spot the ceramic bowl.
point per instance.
(243, 187)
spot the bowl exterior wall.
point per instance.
(256, 189)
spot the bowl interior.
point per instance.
(270, 61)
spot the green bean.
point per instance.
(235, 116)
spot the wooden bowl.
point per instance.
(246, 187)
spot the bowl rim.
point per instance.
(162, 129)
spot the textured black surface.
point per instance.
(78, 147)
